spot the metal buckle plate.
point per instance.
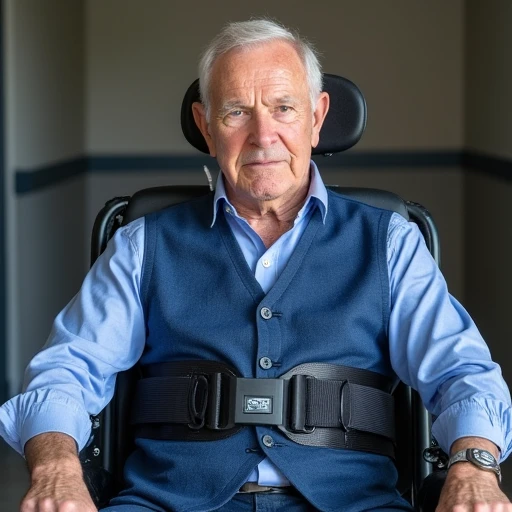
(260, 401)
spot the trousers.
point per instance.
(261, 502)
(240, 503)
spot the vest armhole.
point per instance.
(148, 259)
(383, 228)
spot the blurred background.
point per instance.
(92, 91)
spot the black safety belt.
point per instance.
(315, 404)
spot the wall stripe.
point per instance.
(480, 162)
(138, 163)
(30, 180)
(36, 179)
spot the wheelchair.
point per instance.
(111, 441)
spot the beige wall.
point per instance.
(489, 77)
(44, 49)
(48, 50)
(488, 215)
(407, 57)
(51, 260)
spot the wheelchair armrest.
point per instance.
(100, 483)
(430, 490)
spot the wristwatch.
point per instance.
(480, 458)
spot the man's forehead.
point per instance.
(275, 65)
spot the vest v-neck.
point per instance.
(244, 271)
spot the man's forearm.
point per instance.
(56, 475)
(50, 452)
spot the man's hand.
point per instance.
(57, 483)
(469, 488)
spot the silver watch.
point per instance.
(480, 458)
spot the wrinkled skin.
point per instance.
(57, 484)
(470, 489)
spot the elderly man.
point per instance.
(269, 272)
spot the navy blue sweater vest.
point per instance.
(201, 301)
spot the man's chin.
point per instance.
(266, 195)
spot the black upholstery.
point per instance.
(105, 455)
(342, 128)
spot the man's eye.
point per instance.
(236, 113)
(284, 108)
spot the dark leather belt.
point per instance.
(253, 487)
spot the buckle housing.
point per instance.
(260, 401)
(242, 401)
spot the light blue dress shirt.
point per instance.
(435, 347)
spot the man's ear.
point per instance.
(199, 114)
(322, 107)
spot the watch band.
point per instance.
(482, 459)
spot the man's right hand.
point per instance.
(57, 483)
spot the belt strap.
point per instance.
(313, 404)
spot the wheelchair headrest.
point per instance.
(342, 128)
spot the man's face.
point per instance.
(261, 126)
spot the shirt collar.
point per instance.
(317, 193)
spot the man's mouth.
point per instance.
(263, 163)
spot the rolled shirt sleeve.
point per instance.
(437, 349)
(99, 333)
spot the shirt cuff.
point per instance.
(470, 419)
(55, 416)
(26, 416)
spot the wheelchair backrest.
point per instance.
(343, 127)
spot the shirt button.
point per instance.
(266, 363)
(268, 441)
(266, 263)
(266, 313)
(228, 209)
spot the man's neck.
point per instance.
(271, 219)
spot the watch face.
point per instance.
(483, 458)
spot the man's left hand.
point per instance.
(469, 489)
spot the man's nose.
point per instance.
(263, 130)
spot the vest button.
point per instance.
(268, 441)
(266, 363)
(266, 313)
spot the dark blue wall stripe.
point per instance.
(498, 167)
(31, 180)
(114, 163)
(381, 159)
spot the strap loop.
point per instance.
(198, 401)
(298, 413)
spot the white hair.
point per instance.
(248, 34)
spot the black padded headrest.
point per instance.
(343, 126)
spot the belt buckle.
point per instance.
(260, 401)
(253, 488)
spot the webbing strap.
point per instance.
(363, 408)
(188, 396)
(153, 393)
(204, 402)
